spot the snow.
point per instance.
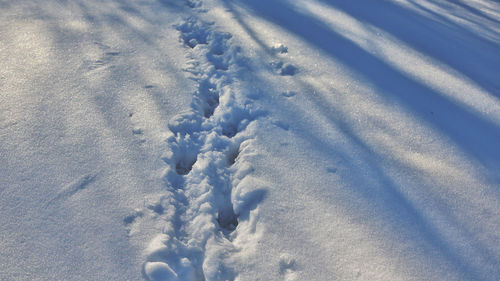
(250, 140)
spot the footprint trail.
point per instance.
(209, 194)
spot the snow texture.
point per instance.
(250, 140)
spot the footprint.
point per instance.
(137, 131)
(219, 62)
(284, 69)
(207, 98)
(232, 155)
(157, 208)
(130, 221)
(289, 94)
(288, 70)
(287, 266)
(279, 49)
(219, 44)
(218, 47)
(229, 130)
(237, 120)
(212, 101)
(193, 3)
(185, 123)
(193, 32)
(184, 165)
(331, 170)
(227, 220)
(132, 217)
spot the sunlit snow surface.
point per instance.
(250, 140)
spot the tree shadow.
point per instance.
(475, 135)
(466, 51)
(385, 198)
(475, 11)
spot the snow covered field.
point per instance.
(250, 140)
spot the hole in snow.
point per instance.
(184, 166)
(229, 130)
(288, 70)
(227, 222)
(157, 208)
(132, 217)
(232, 155)
(212, 102)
